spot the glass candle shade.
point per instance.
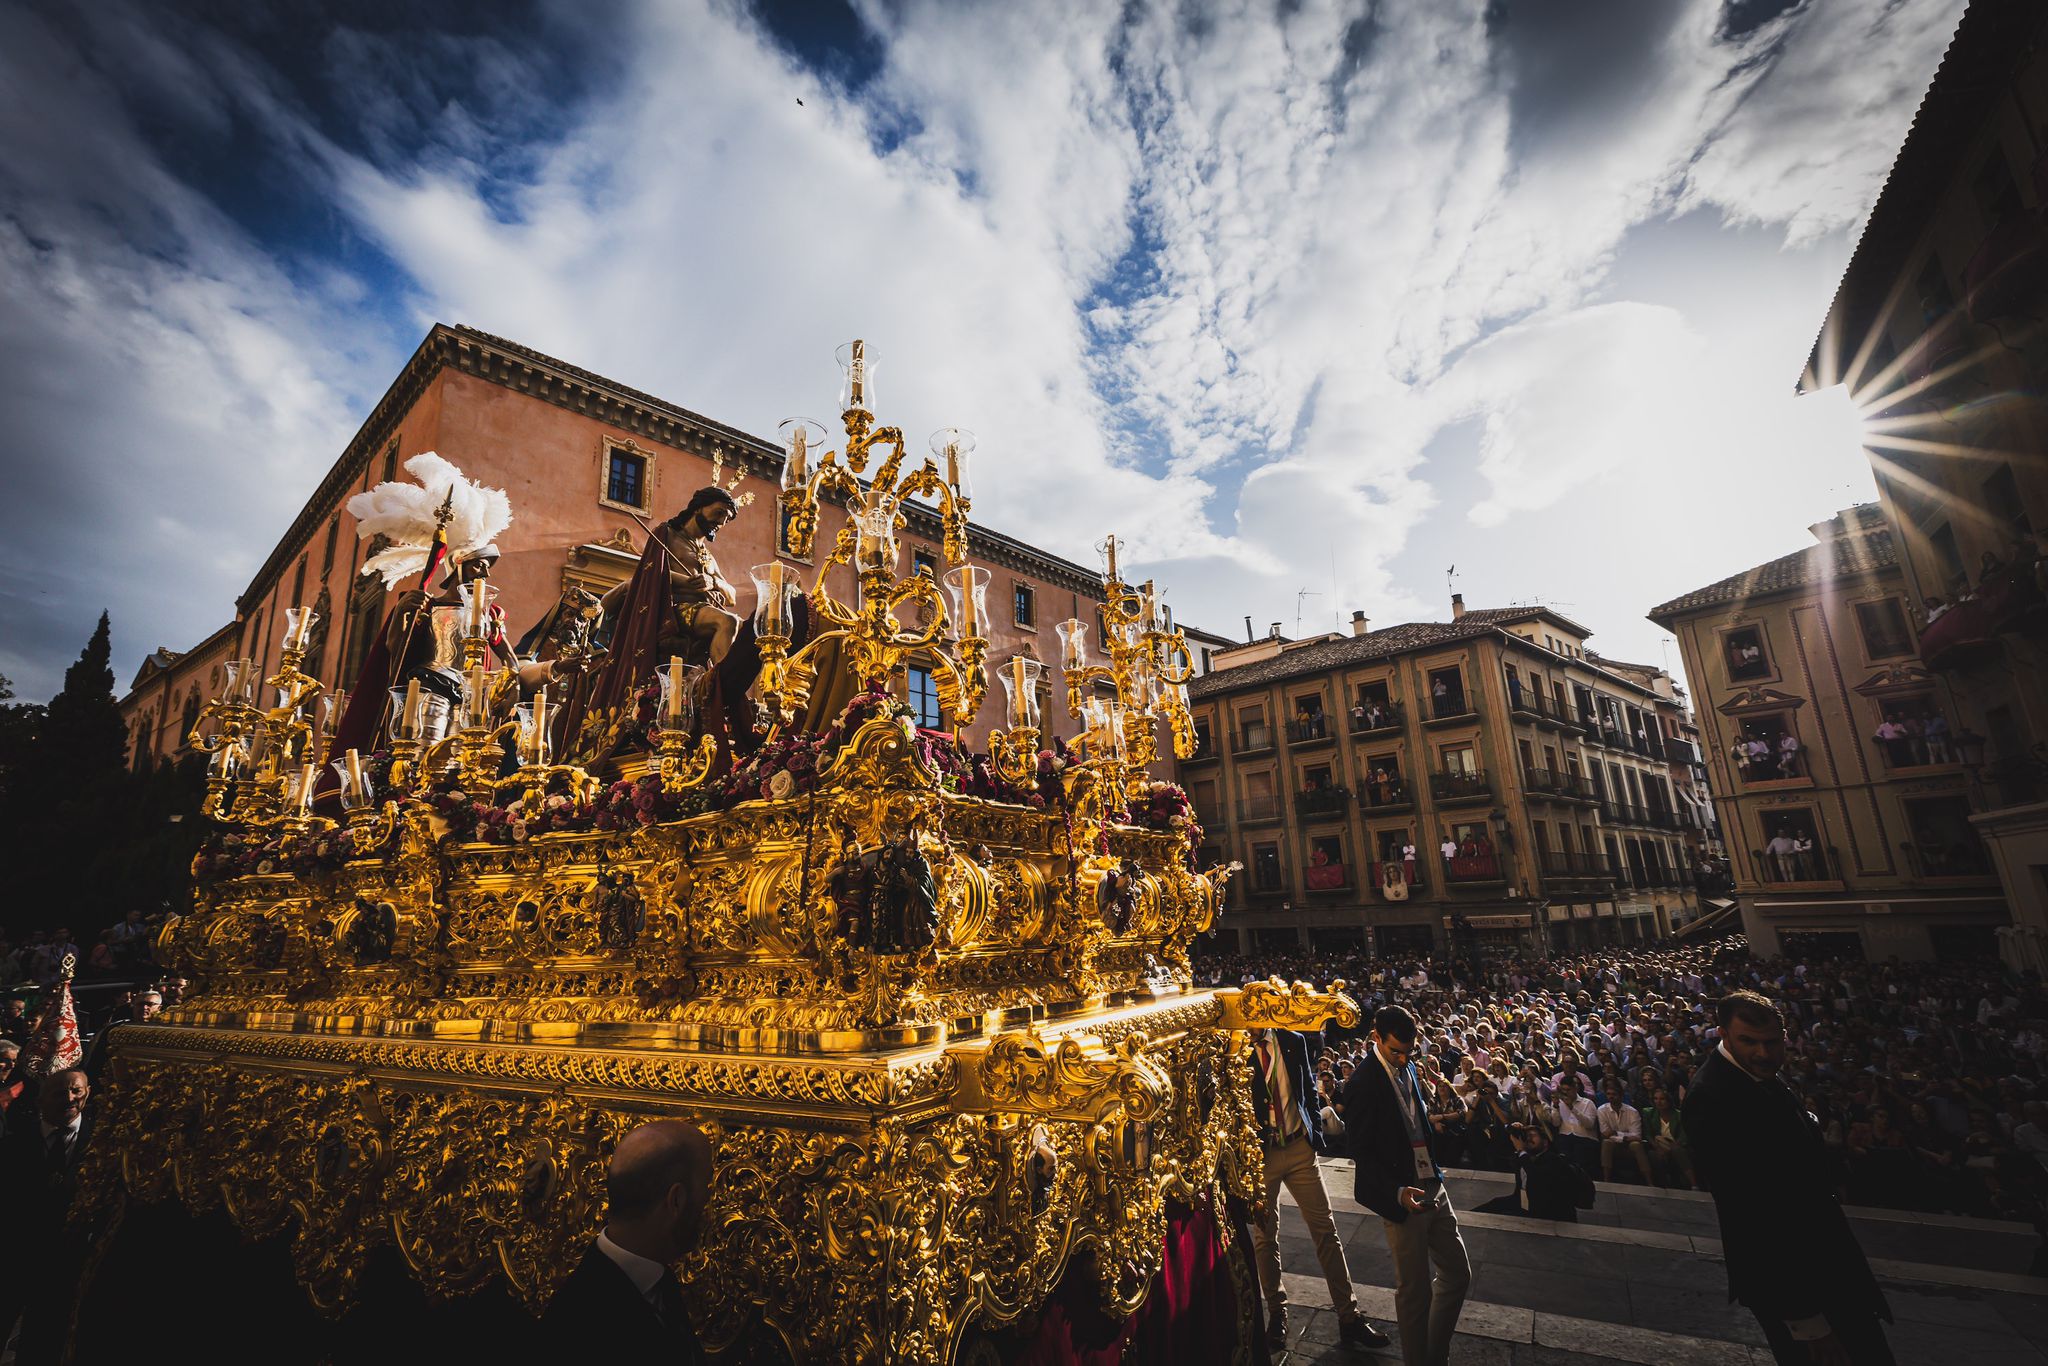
(478, 686)
(678, 684)
(298, 627)
(802, 441)
(1020, 675)
(356, 790)
(333, 706)
(261, 745)
(226, 761)
(875, 545)
(533, 718)
(477, 597)
(952, 446)
(776, 587)
(856, 376)
(403, 717)
(239, 681)
(1104, 717)
(1073, 634)
(967, 593)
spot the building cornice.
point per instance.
(523, 370)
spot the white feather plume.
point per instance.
(406, 515)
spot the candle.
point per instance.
(857, 374)
(540, 726)
(778, 596)
(353, 761)
(409, 719)
(1150, 606)
(972, 626)
(675, 689)
(1111, 546)
(799, 455)
(306, 788)
(1020, 694)
(953, 465)
(479, 695)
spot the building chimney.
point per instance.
(1248, 636)
(1275, 632)
(1358, 623)
(1457, 606)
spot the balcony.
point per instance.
(1268, 879)
(1770, 764)
(1528, 704)
(1398, 881)
(1258, 810)
(1804, 863)
(1313, 729)
(1377, 718)
(1464, 786)
(1462, 870)
(1252, 740)
(1450, 708)
(1559, 865)
(1206, 751)
(1390, 794)
(1328, 876)
(1904, 753)
(1548, 782)
(1955, 861)
(1322, 803)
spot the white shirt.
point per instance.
(1623, 1123)
(1578, 1119)
(643, 1272)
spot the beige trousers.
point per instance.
(1294, 1166)
(1428, 1306)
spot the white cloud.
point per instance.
(1215, 279)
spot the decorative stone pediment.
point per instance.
(1895, 678)
(1750, 700)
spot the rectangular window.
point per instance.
(1767, 748)
(1326, 870)
(1746, 654)
(1792, 849)
(2005, 507)
(625, 479)
(1945, 844)
(1948, 558)
(1447, 693)
(1267, 875)
(1252, 732)
(1459, 759)
(1912, 730)
(1202, 745)
(923, 561)
(1884, 629)
(1024, 604)
(924, 699)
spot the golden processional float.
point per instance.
(933, 1008)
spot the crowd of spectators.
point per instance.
(118, 981)
(1926, 1078)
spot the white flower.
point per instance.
(781, 784)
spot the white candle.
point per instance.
(353, 760)
(857, 374)
(1111, 545)
(953, 465)
(306, 788)
(479, 695)
(409, 723)
(675, 688)
(1020, 697)
(799, 455)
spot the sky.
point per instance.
(1310, 301)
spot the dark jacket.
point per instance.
(1789, 1248)
(597, 1315)
(1556, 1188)
(1298, 1053)
(1380, 1146)
(39, 1190)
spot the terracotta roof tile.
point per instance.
(1834, 559)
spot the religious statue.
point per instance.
(442, 528)
(696, 615)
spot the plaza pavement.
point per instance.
(1640, 1280)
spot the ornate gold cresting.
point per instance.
(941, 1043)
(875, 641)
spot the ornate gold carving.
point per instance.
(1274, 1004)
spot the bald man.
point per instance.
(622, 1302)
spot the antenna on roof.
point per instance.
(1299, 594)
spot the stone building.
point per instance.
(581, 457)
(1483, 784)
(1835, 755)
(1939, 330)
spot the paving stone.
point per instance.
(1554, 1292)
(1603, 1260)
(2025, 1313)
(1640, 1345)
(1931, 1344)
(1693, 1312)
(1957, 1307)
(1654, 1266)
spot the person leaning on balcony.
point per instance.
(1788, 754)
(1935, 733)
(1449, 848)
(1291, 1129)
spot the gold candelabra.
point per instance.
(951, 617)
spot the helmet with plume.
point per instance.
(410, 516)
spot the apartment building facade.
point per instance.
(1478, 785)
(1836, 757)
(1939, 331)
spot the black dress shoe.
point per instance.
(1276, 1332)
(1360, 1333)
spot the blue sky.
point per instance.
(1307, 299)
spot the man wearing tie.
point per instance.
(622, 1302)
(1291, 1128)
(1387, 1120)
(39, 1159)
(1792, 1258)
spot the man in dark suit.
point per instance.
(1291, 1130)
(1387, 1121)
(1792, 1258)
(39, 1159)
(1547, 1185)
(622, 1302)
